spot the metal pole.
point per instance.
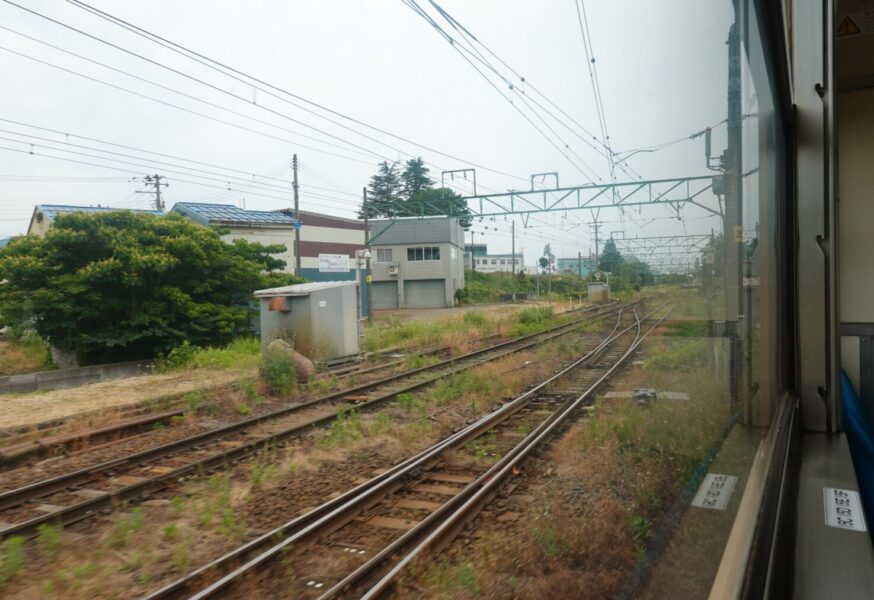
(472, 253)
(513, 257)
(297, 270)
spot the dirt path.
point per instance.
(30, 409)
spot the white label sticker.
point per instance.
(715, 491)
(843, 509)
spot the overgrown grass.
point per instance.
(24, 352)
(532, 320)
(242, 353)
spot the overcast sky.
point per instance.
(661, 68)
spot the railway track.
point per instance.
(81, 493)
(358, 543)
(18, 445)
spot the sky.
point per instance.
(661, 70)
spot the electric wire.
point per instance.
(239, 75)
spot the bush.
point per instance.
(475, 319)
(278, 372)
(120, 285)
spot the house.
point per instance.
(265, 227)
(416, 263)
(323, 238)
(5, 241)
(44, 214)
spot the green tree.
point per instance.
(440, 201)
(384, 192)
(415, 178)
(610, 259)
(123, 285)
(637, 273)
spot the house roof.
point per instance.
(228, 214)
(50, 211)
(302, 289)
(4, 241)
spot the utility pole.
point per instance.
(513, 257)
(596, 227)
(472, 253)
(733, 225)
(297, 270)
(155, 180)
(367, 276)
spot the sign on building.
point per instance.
(333, 263)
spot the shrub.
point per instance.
(278, 372)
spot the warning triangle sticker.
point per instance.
(848, 27)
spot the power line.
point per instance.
(234, 73)
(81, 162)
(181, 108)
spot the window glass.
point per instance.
(435, 253)
(420, 253)
(411, 254)
(427, 253)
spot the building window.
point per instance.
(426, 253)
(494, 261)
(383, 255)
(503, 262)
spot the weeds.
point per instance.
(48, 539)
(12, 557)
(407, 402)
(346, 428)
(278, 372)
(126, 527)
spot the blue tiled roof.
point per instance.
(218, 214)
(50, 211)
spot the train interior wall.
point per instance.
(854, 58)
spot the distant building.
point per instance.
(499, 263)
(574, 266)
(266, 227)
(5, 241)
(477, 257)
(327, 235)
(416, 263)
(44, 215)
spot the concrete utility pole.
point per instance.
(733, 224)
(513, 257)
(597, 228)
(297, 270)
(367, 276)
(472, 253)
(155, 180)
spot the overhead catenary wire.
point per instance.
(412, 4)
